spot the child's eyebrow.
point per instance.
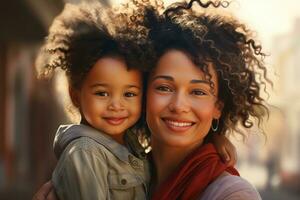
(99, 84)
(106, 85)
(133, 86)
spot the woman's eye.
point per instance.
(163, 88)
(130, 94)
(198, 92)
(102, 94)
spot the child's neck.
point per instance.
(119, 138)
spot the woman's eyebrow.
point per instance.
(169, 78)
(199, 81)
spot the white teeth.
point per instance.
(179, 124)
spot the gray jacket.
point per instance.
(93, 166)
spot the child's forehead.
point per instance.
(111, 71)
(116, 65)
(120, 59)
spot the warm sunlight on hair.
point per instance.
(61, 89)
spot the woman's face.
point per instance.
(180, 102)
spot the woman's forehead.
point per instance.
(174, 62)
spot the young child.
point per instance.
(101, 158)
(94, 162)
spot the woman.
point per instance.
(203, 83)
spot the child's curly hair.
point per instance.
(84, 33)
(142, 31)
(223, 41)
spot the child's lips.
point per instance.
(115, 120)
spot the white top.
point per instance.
(230, 187)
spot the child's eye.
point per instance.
(198, 92)
(102, 94)
(130, 94)
(163, 88)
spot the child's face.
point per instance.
(110, 96)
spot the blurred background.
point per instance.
(31, 110)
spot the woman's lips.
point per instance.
(115, 120)
(178, 125)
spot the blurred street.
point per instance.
(266, 194)
(274, 194)
(31, 109)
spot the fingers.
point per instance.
(225, 156)
(234, 157)
(225, 149)
(230, 161)
(43, 192)
(52, 195)
(231, 156)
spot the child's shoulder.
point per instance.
(77, 138)
(85, 146)
(80, 153)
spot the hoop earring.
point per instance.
(215, 128)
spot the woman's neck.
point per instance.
(167, 159)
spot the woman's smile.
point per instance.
(180, 104)
(177, 125)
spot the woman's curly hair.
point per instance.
(143, 30)
(82, 34)
(223, 41)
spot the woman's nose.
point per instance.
(179, 103)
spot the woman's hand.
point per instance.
(225, 149)
(46, 192)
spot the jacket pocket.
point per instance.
(123, 181)
(126, 186)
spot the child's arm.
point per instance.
(225, 149)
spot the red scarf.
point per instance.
(195, 173)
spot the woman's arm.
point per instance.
(46, 192)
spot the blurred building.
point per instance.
(286, 54)
(29, 113)
(29, 109)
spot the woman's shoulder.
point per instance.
(230, 187)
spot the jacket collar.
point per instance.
(67, 133)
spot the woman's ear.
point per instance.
(74, 95)
(218, 109)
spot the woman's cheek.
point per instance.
(157, 101)
(203, 110)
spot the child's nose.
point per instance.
(115, 104)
